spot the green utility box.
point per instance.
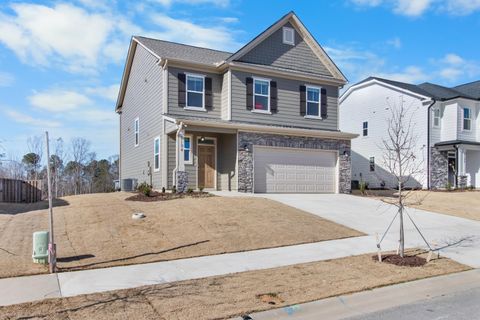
(40, 247)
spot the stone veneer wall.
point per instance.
(249, 139)
(438, 169)
(182, 181)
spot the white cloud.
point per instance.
(367, 3)
(216, 37)
(461, 7)
(38, 34)
(411, 74)
(109, 92)
(27, 119)
(229, 19)
(412, 8)
(355, 63)
(6, 79)
(395, 42)
(58, 100)
(415, 8)
(218, 3)
(452, 67)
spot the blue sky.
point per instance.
(61, 62)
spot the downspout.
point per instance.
(177, 160)
(429, 119)
(456, 166)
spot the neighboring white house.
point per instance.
(445, 122)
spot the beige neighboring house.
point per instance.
(262, 119)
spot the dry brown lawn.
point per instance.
(464, 204)
(95, 231)
(227, 296)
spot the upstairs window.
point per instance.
(365, 128)
(372, 164)
(288, 36)
(156, 154)
(436, 117)
(467, 119)
(187, 149)
(195, 91)
(137, 131)
(313, 102)
(262, 95)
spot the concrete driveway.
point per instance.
(459, 237)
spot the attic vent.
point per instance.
(288, 36)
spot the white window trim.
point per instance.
(187, 107)
(136, 132)
(311, 116)
(463, 118)
(190, 153)
(364, 136)
(434, 117)
(285, 41)
(156, 154)
(262, 95)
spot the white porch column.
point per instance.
(462, 161)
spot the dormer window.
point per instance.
(288, 36)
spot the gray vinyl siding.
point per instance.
(288, 113)
(143, 99)
(273, 52)
(226, 160)
(174, 109)
(225, 93)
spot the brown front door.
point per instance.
(206, 166)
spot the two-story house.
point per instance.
(445, 123)
(262, 119)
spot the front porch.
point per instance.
(207, 156)
(455, 164)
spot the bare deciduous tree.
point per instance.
(80, 155)
(402, 157)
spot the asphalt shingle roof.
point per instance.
(172, 50)
(469, 90)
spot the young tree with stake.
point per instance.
(401, 158)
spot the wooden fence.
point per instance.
(20, 191)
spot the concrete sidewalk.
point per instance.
(369, 216)
(362, 303)
(459, 238)
(30, 288)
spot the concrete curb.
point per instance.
(365, 302)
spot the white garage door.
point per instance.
(294, 170)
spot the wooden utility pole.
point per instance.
(52, 252)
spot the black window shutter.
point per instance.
(249, 82)
(208, 93)
(181, 90)
(273, 96)
(323, 100)
(303, 100)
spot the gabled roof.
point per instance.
(178, 51)
(471, 89)
(425, 90)
(442, 93)
(306, 35)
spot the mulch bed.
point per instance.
(406, 261)
(158, 196)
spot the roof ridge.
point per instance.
(182, 44)
(466, 84)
